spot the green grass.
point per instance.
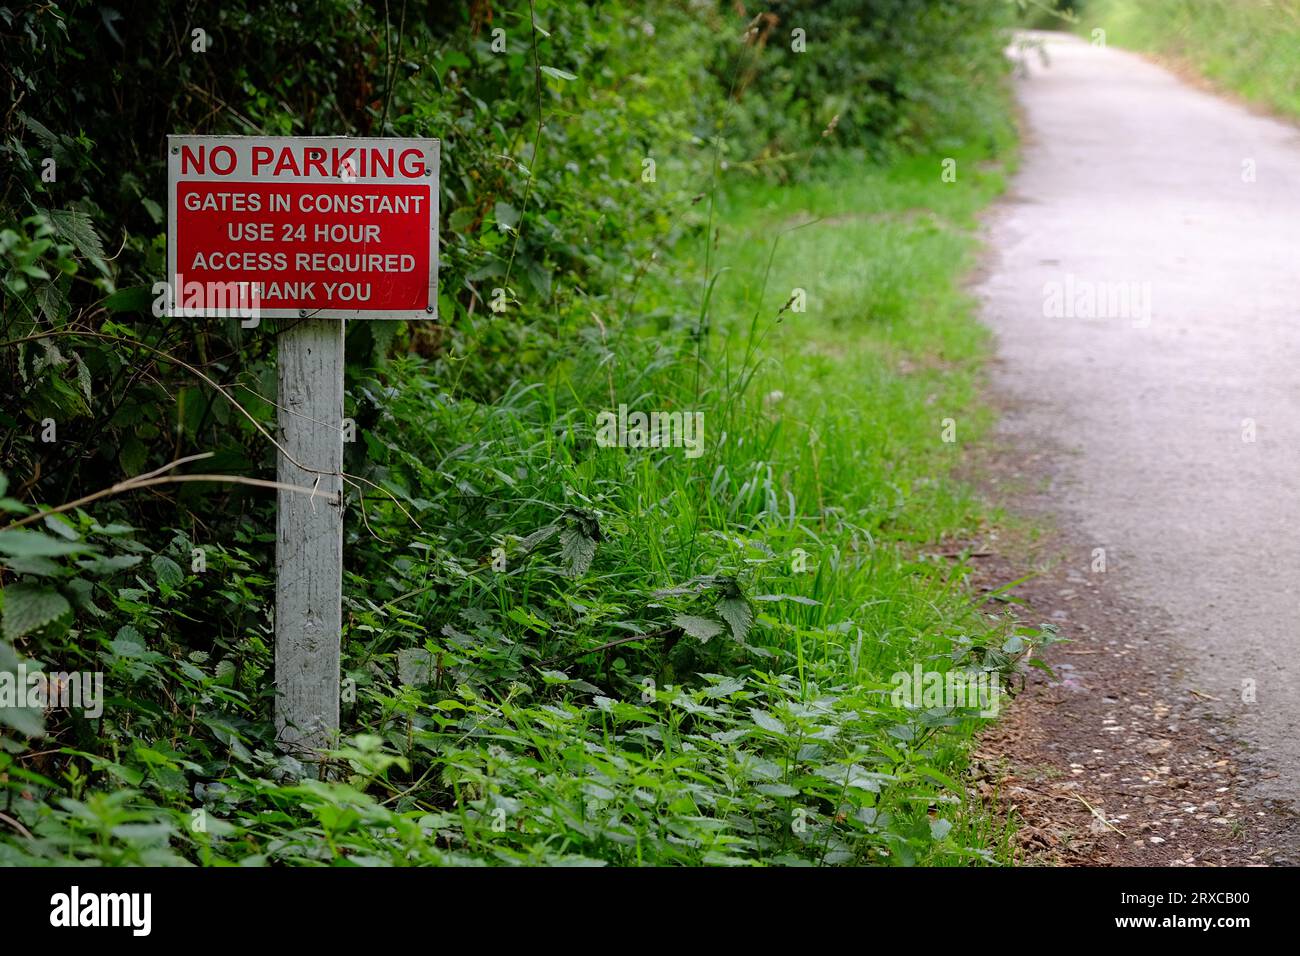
(1247, 46)
(675, 660)
(824, 493)
(887, 350)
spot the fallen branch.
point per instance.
(17, 826)
(156, 477)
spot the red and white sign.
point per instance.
(312, 227)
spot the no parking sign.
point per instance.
(320, 227)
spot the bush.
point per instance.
(469, 689)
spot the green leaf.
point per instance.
(537, 537)
(766, 721)
(102, 565)
(28, 721)
(36, 566)
(82, 595)
(737, 612)
(132, 454)
(10, 504)
(462, 219)
(128, 643)
(23, 543)
(52, 297)
(853, 775)
(942, 778)
(528, 619)
(577, 551)
(61, 526)
(83, 376)
(168, 573)
(703, 629)
(29, 607)
(75, 226)
(506, 214)
(415, 666)
(725, 687)
(558, 74)
(48, 139)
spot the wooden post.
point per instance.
(309, 538)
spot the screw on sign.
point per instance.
(320, 230)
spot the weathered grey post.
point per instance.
(309, 537)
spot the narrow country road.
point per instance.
(1144, 288)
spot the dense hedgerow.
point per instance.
(551, 654)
